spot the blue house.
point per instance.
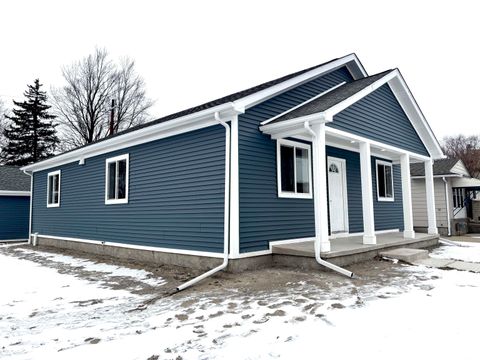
(14, 204)
(317, 155)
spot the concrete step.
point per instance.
(406, 254)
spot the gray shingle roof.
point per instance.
(220, 101)
(331, 98)
(440, 167)
(12, 179)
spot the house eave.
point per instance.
(173, 127)
(14, 193)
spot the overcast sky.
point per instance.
(190, 52)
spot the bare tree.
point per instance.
(465, 148)
(3, 123)
(83, 105)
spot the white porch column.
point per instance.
(408, 231)
(429, 185)
(320, 189)
(367, 194)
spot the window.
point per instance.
(384, 181)
(53, 189)
(116, 180)
(458, 197)
(293, 169)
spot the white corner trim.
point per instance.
(108, 161)
(234, 190)
(136, 247)
(294, 195)
(53, 173)
(302, 104)
(381, 198)
(14, 193)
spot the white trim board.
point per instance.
(14, 193)
(136, 247)
(13, 240)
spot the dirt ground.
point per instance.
(374, 274)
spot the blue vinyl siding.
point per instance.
(264, 216)
(14, 217)
(379, 117)
(388, 214)
(176, 196)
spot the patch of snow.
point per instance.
(467, 252)
(88, 265)
(435, 316)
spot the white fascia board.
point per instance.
(283, 125)
(263, 95)
(172, 127)
(408, 104)
(359, 139)
(14, 193)
(401, 91)
(437, 176)
(302, 104)
(359, 95)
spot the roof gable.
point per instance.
(440, 167)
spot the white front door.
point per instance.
(337, 195)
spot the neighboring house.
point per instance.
(14, 204)
(454, 191)
(247, 170)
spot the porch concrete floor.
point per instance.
(352, 245)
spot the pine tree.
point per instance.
(31, 134)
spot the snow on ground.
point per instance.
(467, 251)
(141, 275)
(48, 315)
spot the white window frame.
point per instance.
(107, 178)
(287, 194)
(382, 198)
(53, 173)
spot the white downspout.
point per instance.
(318, 257)
(226, 229)
(31, 203)
(447, 204)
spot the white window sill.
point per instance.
(382, 199)
(288, 195)
(116, 201)
(53, 205)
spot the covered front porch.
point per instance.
(317, 122)
(349, 250)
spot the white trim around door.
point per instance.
(334, 162)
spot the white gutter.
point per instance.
(318, 257)
(226, 229)
(31, 202)
(447, 204)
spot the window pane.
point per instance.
(287, 168)
(111, 180)
(381, 180)
(122, 174)
(55, 188)
(388, 181)
(301, 158)
(50, 189)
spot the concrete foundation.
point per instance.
(344, 257)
